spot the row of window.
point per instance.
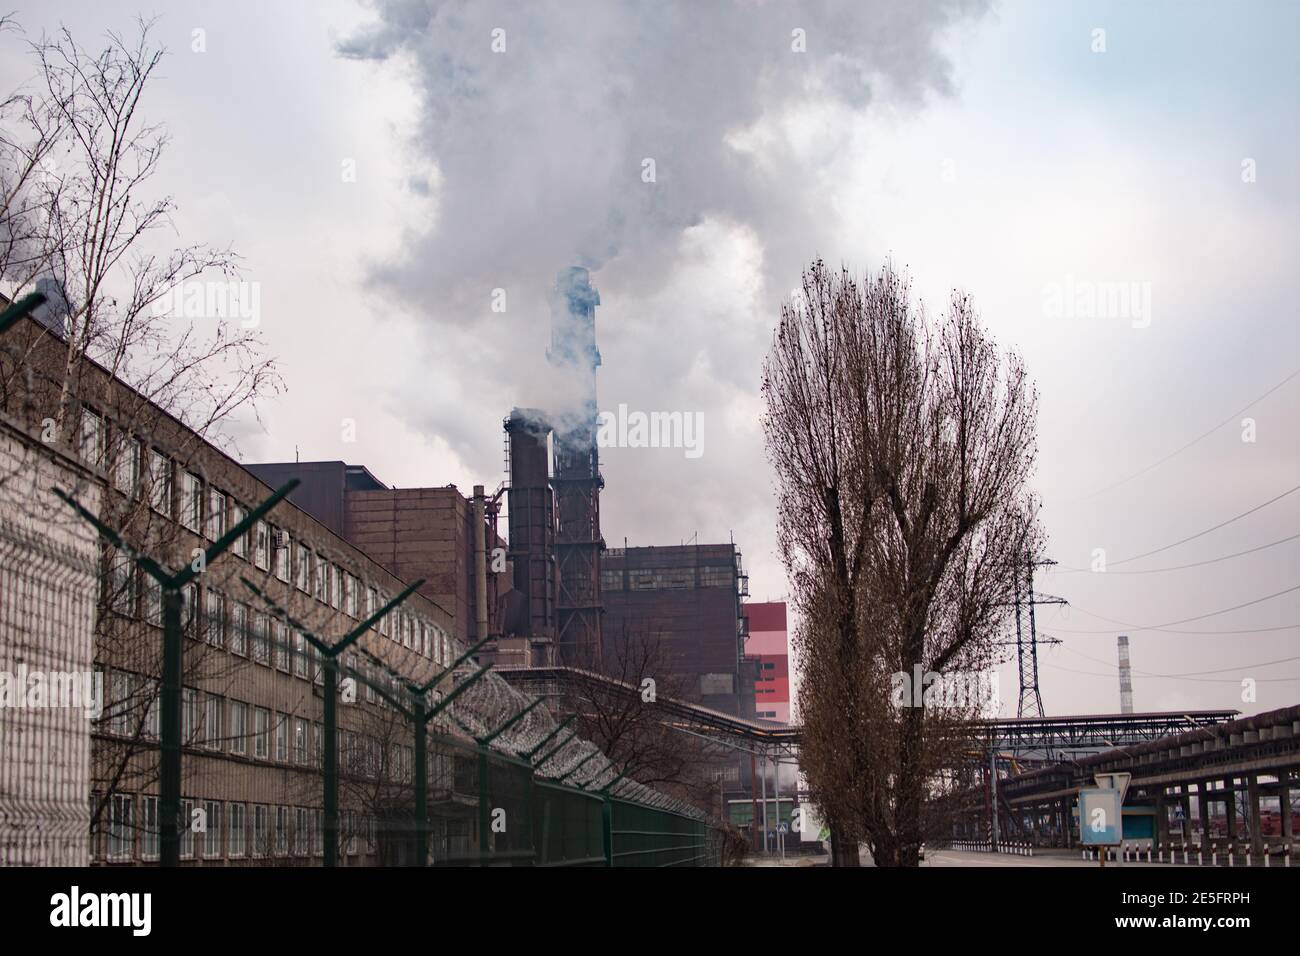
(233, 726)
(209, 511)
(215, 830)
(222, 622)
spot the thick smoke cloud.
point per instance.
(533, 157)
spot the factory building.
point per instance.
(688, 600)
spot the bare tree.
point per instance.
(624, 720)
(903, 449)
(111, 368)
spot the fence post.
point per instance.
(607, 828)
(331, 762)
(170, 723)
(169, 771)
(484, 812)
(421, 786)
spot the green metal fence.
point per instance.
(488, 809)
(648, 836)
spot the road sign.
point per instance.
(1099, 817)
(1114, 781)
(783, 829)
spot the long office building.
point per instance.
(251, 701)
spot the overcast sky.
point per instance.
(1012, 151)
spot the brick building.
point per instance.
(415, 533)
(251, 702)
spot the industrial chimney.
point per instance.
(578, 544)
(1125, 678)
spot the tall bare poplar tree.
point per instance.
(903, 448)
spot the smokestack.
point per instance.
(480, 563)
(574, 358)
(1125, 677)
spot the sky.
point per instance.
(388, 178)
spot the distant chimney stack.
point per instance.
(1125, 677)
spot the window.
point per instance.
(282, 547)
(302, 579)
(350, 829)
(152, 700)
(299, 740)
(235, 823)
(237, 513)
(261, 732)
(192, 502)
(336, 586)
(299, 655)
(152, 600)
(187, 829)
(281, 641)
(383, 621)
(149, 835)
(317, 747)
(214, 708)
(282, 738)
(93, 435)
(282, 831)
(261, 546)
(318, 833)
(216, 514)
(213, 848)
(190, 611)
(121, 584)
(189, 714)
(126, 472)
(121, 828)
(160, 483)
(259, 639)
(320, 580)
(214, 618)
(238, 638)
(301, 831)
(119, 691)
(350, 595)
(238, 727)
(261, 830)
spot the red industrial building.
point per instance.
(768, 646)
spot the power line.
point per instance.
(1183, 567)
(1179, 451)
(1221, 670)
(1199, 534)
(1186, 620)
(1197, 680)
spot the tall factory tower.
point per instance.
(574, 358)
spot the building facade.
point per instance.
(49, 694)
(688, 602)
(252, 714)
